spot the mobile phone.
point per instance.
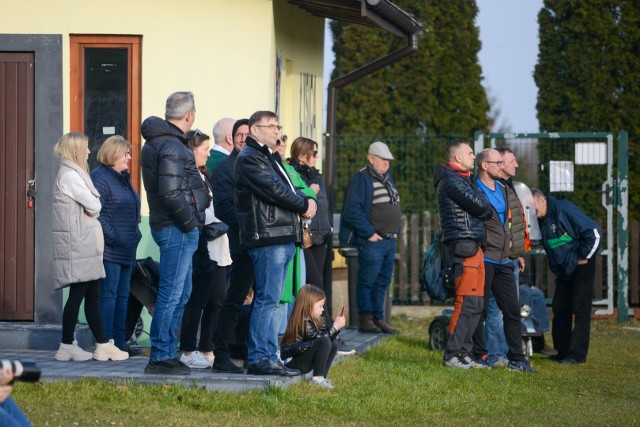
(342, 313)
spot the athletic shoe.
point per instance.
(321, 382)
(480, 363)
(458, 362)
(500, 362)
(109, 351)
(548, 351)
(72, 352)
(521, 365)
(167, 367)
(195, 360)
(344, 349)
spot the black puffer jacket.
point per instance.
(175, 192)
(268, 209)
(462, 206)
(321, 224)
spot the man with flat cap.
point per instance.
(371, 222)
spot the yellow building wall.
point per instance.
(223, 51)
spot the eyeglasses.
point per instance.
(497, 162)
(314, 154)
(278, 127)
(197, 132)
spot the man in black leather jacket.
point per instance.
(177, 202)
(463, 208)
(269, 211)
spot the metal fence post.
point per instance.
(622, 206)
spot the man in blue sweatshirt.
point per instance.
(571, 240)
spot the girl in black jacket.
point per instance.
(308, 341)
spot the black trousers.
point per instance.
(241, 280)
(203, 308)
(314, 261)
(572, 302)
(90, 292)
(498, 278)
(319, 357)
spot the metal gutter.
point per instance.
(389, 17)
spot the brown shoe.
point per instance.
(384, 327)
(366, 325)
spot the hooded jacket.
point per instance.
(268, 209)
(462, 206)
(78, 243)
(567, 236)
(174, 187)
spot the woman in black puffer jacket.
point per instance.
(304, 154)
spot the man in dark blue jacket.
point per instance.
(269, 211)
(177, 202)
(571, 240)
(371, 222)
(242, 272)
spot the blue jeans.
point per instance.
(375, 267)
(534, 298)
(114, 296)
(11, 415)
(270, 264)
(176, 254)
(495, 341)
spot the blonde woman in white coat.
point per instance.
(78, 245)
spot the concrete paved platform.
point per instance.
(133, 369)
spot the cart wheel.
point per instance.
(437, 334)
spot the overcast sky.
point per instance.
(509, 35)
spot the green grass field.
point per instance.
(398, 383)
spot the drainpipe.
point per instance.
(380, 7)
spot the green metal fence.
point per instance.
(579, 167)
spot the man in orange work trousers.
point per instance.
(463, 209)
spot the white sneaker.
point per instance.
(321, 382)
(109, 351)
(474, 364)
(210, 359)
(458, 362)
(195, 360)
(72, 352)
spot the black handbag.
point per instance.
(214, 230)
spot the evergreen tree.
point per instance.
(439, 86)
(588, 72)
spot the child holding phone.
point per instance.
(308, 341)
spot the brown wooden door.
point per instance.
(105, 92)
(16, 172)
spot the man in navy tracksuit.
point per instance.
(570, 239)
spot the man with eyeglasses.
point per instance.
(498, 267)
(269, 210)
(370, 221)
(223, 145)
(177, 202)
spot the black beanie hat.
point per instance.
(236, 125)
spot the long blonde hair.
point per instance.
(73, 146)
(302, 310)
